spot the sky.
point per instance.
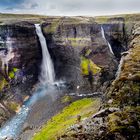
(70, 7)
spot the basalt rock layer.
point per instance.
(119, 116)
(76, 42)
(80, 54)
(23, 66)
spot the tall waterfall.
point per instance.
(47, 75)
(120, 67)
(13, 128)
(7, 56)
(103, 35)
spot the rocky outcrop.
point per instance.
(80, 54)
(74, 41)
(120, 114)
(20, 54)
(76, 45)
(23, 41)
(116, 35)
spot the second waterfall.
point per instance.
(47, 75)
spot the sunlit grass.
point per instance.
(59, 123)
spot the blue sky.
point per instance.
(70, 7)
(12, 3)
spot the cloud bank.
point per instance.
(70, 7)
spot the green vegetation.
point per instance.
(77, 42)
(51, 28)
(12, 18)
(120, 121)
(125, 93)
(87, 64)
(59, 123)
(101, 19)
(66, 99)
(127, 17)
(3, 83)
(78, 39)
(13, 106)
(12, 73)
(132, 17)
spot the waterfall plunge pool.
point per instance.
(13, 127)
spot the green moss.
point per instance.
(13, 18)
(136, 88)
(88, 52)
(120, 121)
(66, 99)
(15, 69)
(13, 106)
(77, 42)
(3, 83)
(50, 29)
(12, 73)
(86, 64)
(59, 123)
(114, 120)
(102, 19)
(78, 39)
(128, 18)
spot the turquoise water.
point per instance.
(13, 127)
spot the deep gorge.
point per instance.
(76, 45)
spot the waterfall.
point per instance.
(6, 56)
(103, 35)
(13, 128)
(47, 75)
(120, 67)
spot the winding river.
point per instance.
(13, 127)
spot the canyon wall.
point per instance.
(118, 117)
(77, 42)
(76, 45)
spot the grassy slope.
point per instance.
(58, 124)
(127, 17)
(76, 19)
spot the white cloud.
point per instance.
(78, 7)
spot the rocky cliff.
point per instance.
(20, 55)
(77, 45)
(119, 115)
(73, 42)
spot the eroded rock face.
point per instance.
(69, 40)
(120, 121)
(21, 54)
(23, 67)
(24, 45)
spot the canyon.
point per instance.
(106, 47)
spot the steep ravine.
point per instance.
(67, 37)
(119, 116)
(76, 46)
(72, 41)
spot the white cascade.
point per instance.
(103, 35)
(6, 57)
(13, 128)
(120, 67)
(47, 75)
